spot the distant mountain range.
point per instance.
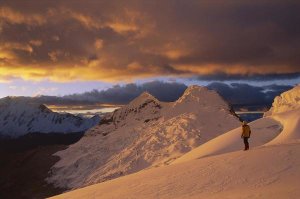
(20, 116)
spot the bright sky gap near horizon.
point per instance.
(60, 48)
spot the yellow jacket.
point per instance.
(246, 131)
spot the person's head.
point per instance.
(244, 123)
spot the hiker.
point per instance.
(246, 134)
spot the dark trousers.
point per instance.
(246, 143)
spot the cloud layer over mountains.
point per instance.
(164, 91)
(245, 94)
(237, 94)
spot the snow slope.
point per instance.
(267, 172)
(283, 116)
(270, 170)
(286, 109)
(146, 133)
(263, 131)
(19, 116)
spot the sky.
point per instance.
(59, 48)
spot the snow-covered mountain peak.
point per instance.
(287, 101)
(15, 105)
(146, 94)
(19, 116)
(44, 108)
(196, 97)
(198, 93)
(143, 98)
(145, 133)
(143, 108)
(194, 89)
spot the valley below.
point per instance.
(25, 162)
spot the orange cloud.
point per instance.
(91, 71)
(120, 24)
(15, 46)
(112, 41)
(16, 17)
(122, 27)
(36, 42)
(86, 20)
(96, 71)
(98, 44)
(207, 69)
(5, 55)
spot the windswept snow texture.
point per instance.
(146, 133)
(269, 170)
(266, 172)
(263, 131)
(287, 101)
(21, 116)
(286, 110)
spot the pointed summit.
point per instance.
(195, 90)
(201, 95)
(143, 108)
(142, 98)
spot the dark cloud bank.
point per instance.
(124, 94)
(239, 95)
(247, 96)
(248, 77)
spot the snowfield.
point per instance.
(220, 169)
(144, 134)
(267, 172)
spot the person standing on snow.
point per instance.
(246, 134)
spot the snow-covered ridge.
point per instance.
(19, 116)
(286, 110)
(280, 125)
(143, 134)
(144, 108)
(287, 101)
